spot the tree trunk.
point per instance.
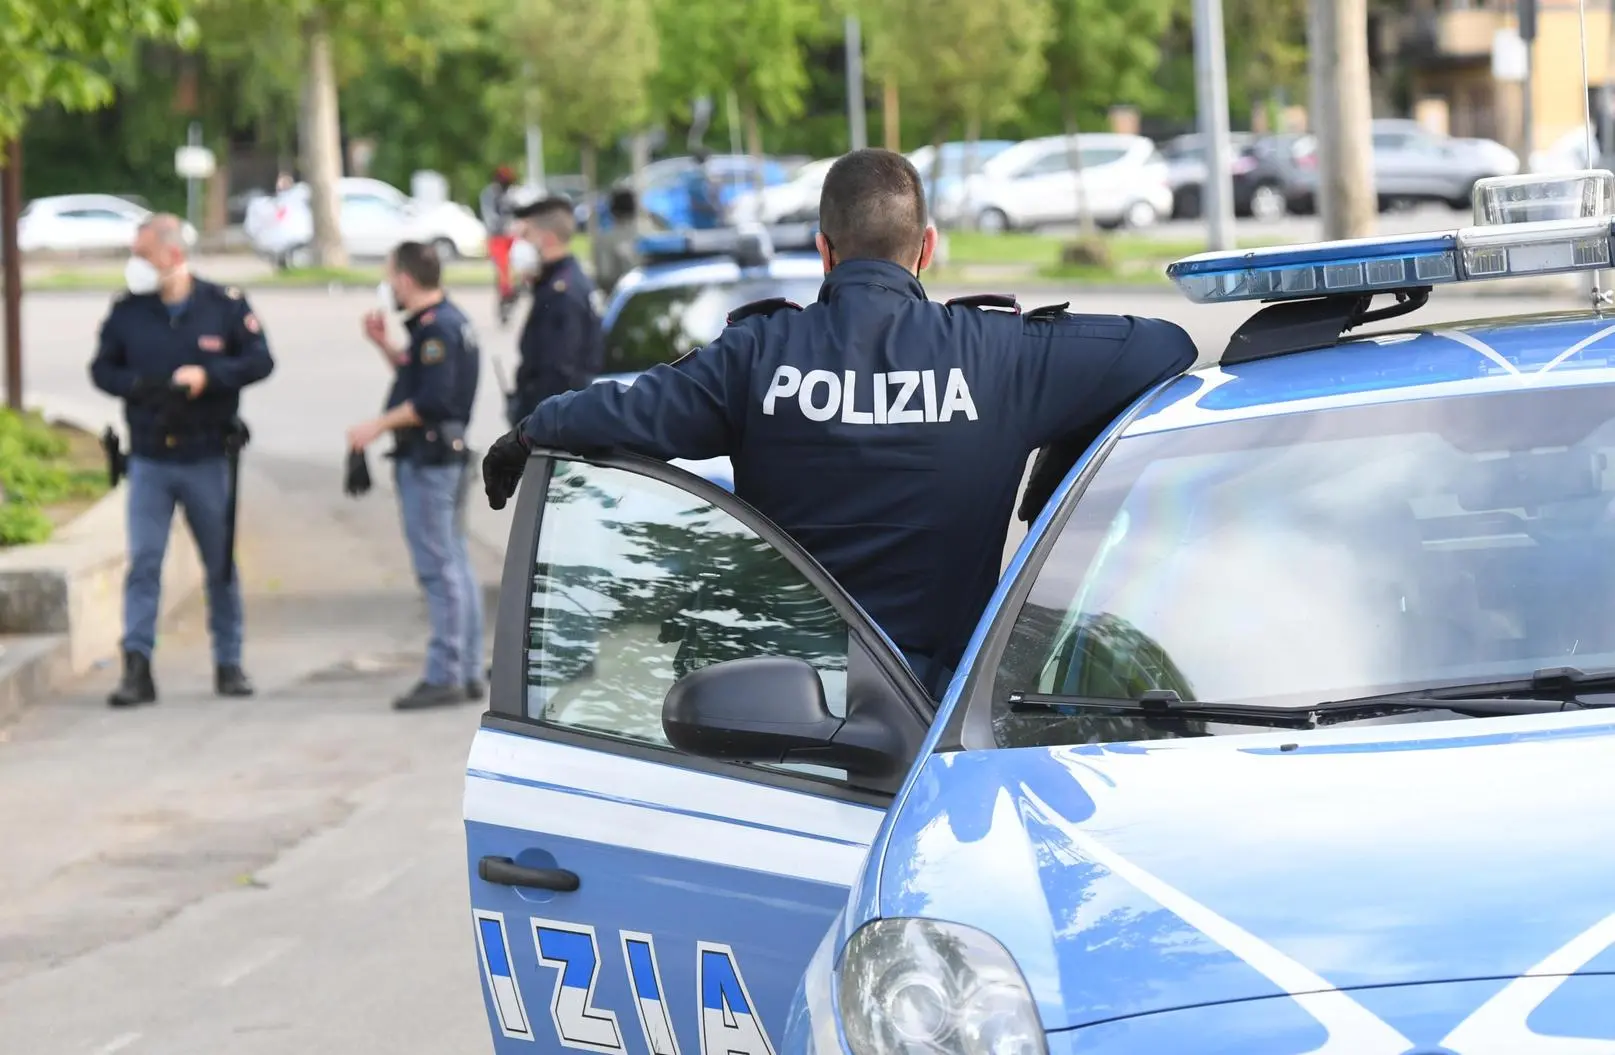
(1074, 159)
(1337, 42)
(967, 165)
(754, 145)
(322, 142)
(216, 200)
(937, 135)
(586, 160)
(890, 125)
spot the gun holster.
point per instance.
(117, 460)
(443, 443)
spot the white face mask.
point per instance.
(524, 257)
(384, 296)
(141, 276)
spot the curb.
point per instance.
(69, 592)
(30, 667)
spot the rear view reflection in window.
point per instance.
(659, 325)
(638, 583)
(1325, 555)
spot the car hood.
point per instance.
(1135, 878)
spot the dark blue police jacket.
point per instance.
(143, 342)
(440, 374)
(561, 343)
(887, 433)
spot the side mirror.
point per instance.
(770, 709)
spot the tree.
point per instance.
(752, 47)
(61, 51)
(963, 63)
(1102, 51)
(331, 41)
(590, 66)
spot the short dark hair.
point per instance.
(555, 214)
(873, 207)
(419, 261)
(623, 202)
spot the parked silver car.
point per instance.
(1412, 164)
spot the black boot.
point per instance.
(425, 695)
(475, 689)
(136, 686)
(230, 680)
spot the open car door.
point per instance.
(628, 896)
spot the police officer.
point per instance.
(561, 343)
(178, 351)
(885, 432)
(428, 408)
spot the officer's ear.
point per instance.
(826, 254)
(927, 249)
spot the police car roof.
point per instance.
(716, 269)
(1450, 359)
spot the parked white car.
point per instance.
(82, 223)
(1567, 154)
(1032, 183)
(374, 217)
(795, 201)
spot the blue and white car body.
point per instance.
(1233, 762)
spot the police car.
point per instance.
(1282, 734)
(686, 286)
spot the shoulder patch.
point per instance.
(987, 300)
(1049, 311)
(432, 351)
(251, 323)
(233, 292)
(767, 306)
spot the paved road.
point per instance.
(285, 874)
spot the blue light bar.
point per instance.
(751, 243)
(1318, 270)
(1526, 225)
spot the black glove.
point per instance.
(358, 478)
(502, 467)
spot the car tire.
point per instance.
(1467, 201)
(445, 249)
(1186, 204)
(1139, 215)
(298, 256)
(1268, 204)
(992, 221)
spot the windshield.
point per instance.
(659, 325)
(1326, 555)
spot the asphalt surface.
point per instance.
(288, 873)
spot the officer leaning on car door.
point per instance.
(178, 351)
(886, 433)
(428, 408)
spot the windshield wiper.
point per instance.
(1165, 705)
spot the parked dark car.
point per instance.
(1185, 158)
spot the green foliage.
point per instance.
(1102, 52)
(62, 51)
(34, 473)
(588, 64)
(755, 47)
(961, 62)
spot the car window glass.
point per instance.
(659, 325)
(1092, 156)
(1327, 555)
(638, 582)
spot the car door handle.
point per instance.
(504, 870)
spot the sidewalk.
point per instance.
(121, 826)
